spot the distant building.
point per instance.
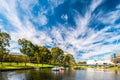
(115, 58)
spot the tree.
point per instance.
(20, 58)
(36, 51)
(81, 62)
(68, 59)
(57, 54)
(26, 48)
(4, 42)
(44, 55)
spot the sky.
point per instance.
(88, 29)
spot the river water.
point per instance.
(48, 74)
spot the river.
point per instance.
(48, 74)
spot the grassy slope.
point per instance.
(6, 65)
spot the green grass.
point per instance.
(81, 67)
(114, 68)
(7, 65)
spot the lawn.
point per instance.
(8, 66)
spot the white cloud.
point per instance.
(86, 44)
(54, 4)
(24, 29)
(118, 7)
(95, 4)
(71, 40)
(110, 17)
(0, 27)
(64, 17)
(41, 20)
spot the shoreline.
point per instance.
(6, 66)
(14, 69)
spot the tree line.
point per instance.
(33, 53)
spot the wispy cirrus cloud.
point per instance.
(29, 19)
(110, 17)
(23, 29)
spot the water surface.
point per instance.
(48, 74)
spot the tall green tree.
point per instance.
(45, 55)
(68, 59)
(4, 42)
(36, 57)
(57, 54)
(26, 48)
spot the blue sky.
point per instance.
(88, 29)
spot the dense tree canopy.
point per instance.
(57, 53)
(68, 59)
(45, 54)
(4, 42)
(41, 54)
(33, 53)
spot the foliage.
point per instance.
(33, 53)
(14, 58)
(27, 47)
(44, 54)
(68, 59)
(57, 54)
(4, 42)
(84, 62)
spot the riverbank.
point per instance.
(81, 67)
(113, 68)
(6, 66)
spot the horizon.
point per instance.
(90, 30)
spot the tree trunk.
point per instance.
(1, 59)
(26, 62)
(1, 62)
(42, 61)
(54, 62)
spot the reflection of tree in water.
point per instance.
(42, 75)
(67, 74)
(48, 74)
(13, 75)
(57, 75)
(117, 71)
(36, 75)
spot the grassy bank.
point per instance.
(81, 67)
(114, 68)
(17, 66)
